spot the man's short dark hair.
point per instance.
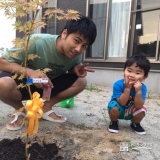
(84, 26)
(141, 61)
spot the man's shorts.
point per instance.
(60, 84)
(126, 113)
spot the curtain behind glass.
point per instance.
(118, 29)
(97, 11)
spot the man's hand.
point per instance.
(81, 70)
(35, 74)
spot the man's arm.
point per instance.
(10, 67)
(13, 67)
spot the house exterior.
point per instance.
(124, 28)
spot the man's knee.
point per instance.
(7, 85)
(82, 82)
(3, 84)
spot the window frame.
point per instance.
(133, 20)
(105, 57)
(92, 59)
(118, 61)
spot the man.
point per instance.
(62, 55)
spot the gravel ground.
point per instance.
(85, 136)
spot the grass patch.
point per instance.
(104, 113)
(92, 87)
(82, 125)
(149, 94)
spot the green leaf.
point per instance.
(32, 56)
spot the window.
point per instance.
(50, 27)
(118, 28)
(146, 35)
(51, 22)
(143, 4)
(112, 19)
(98, 12)
(124, 28)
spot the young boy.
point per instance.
(129, 94)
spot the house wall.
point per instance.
(104, 76)
(107, 77)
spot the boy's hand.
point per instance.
(137, 86)
(81, 70)
(127, 83)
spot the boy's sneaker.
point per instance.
(113, 127)
(137, 128)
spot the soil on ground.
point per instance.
(15, 150)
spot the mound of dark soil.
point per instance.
(15, 150)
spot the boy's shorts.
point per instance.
(126, 113)
(60, 84)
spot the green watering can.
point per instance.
(67, 103)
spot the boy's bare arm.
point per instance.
(126, 93)
(138, 101)
(124, 97)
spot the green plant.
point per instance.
(91, 87)
(131, 146)
(81, 125)
(87, 96)
(104, 113)
(149, 94)
(21, 9)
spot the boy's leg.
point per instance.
(138, 118)
(138, 115)
(135, 124)
(115, 112)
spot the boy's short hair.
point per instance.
(141, 62)
(84, 26)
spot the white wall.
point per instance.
(104, 77)
(7, 34)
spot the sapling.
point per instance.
(21, 9)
